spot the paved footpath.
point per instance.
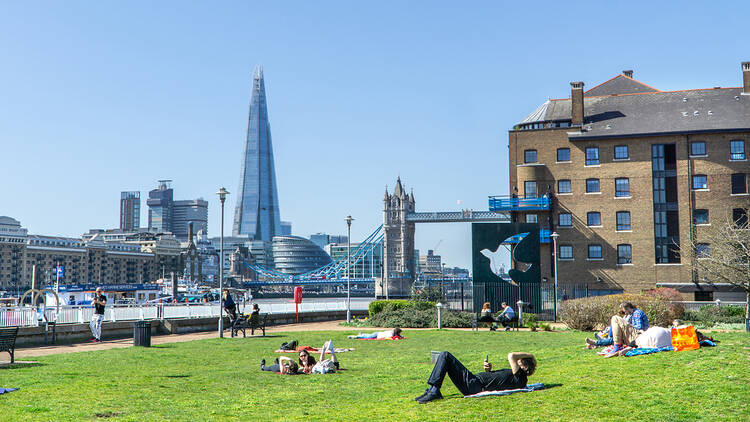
(177, 338)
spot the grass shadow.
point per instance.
(19, 365)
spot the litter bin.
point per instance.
(142, 334)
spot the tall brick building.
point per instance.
(632, 171)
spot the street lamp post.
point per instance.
(222, 197)
(554, 237)
(349, 220)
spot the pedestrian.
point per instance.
(99, 302)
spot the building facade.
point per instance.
(371, 264)
(296, 255)
(187, 212)
(257, 212)
(130, 210)
(160, 205)
(399, 254)
(430, 263)
(629, 173)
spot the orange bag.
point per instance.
(684, 338)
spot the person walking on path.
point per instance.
(99, 302)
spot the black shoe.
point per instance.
(276, 361)
(430, 396)
(262, 363)
(493, 328)
(426, 390)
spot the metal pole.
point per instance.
(554, 241)
(222, 197)
(348, 265)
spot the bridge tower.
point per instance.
(398, 244)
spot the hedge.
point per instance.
(595, 312)
(378, 306)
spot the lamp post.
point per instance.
(349, 220)
(554, 237)
(222, 197)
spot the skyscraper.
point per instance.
(160, 204)
(257, 212)
(130, 210)
(189, 211)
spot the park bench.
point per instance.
(475, 323)
(8, 341)
(252, 322)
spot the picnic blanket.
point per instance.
(7, 390)
(647, 350)
(312, 350)
(529, 388)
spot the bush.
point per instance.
(595, 312)
(378, 306)
(712, 314)
(411, 317)
(545, 326)
(531, 321)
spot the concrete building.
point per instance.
(186, 212)
(630, 172)
(430, 263)
(160, 204)
(130, 210)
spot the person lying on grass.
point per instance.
(284, 365)
(308, 365)
(522, 365)
(379, 335)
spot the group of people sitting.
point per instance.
(628, 330)
(306, 363)
(506, 317)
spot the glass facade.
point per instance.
(257, 212)
(666, 215)
(130, 210)
(160, 205)
(296, 255)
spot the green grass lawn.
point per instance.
(220, 380)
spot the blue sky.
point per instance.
(101, 97)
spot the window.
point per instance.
(566, 252)
(739, 216)
(623, 220)
(622, 187)
(563, 186)
(592, 156)
(702, 250)
(563, 154)
(593, 219)
(697, 148)
(595, 251)
(592, 185)
(624, 254)
(700, 181)
(700, 217)
(565, 220)
(529, 156)
(738, 183)
(737, 150)
(621, 152)
(531, 218)
(529, 189)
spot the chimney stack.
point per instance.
(576, 99)
(746, 78)
(628, 73)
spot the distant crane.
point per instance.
(436, 246)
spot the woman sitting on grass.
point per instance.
(379, 335)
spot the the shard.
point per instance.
(257, 211)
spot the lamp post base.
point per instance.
(221, 327)
(348, 316)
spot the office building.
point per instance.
(296, 255)
(185, 212)
(257, 211)
(624, 173)
(430, 263)
(286, 228)
(160, 205)
(130, 210)
(371, 264)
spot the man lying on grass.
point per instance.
(522, 365)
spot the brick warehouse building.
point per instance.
(631, 171)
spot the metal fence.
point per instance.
(27, 316)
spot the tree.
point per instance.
(722, 255)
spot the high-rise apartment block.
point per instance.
(257, 212)
(167, 215)
(625, 174)
(130, 210)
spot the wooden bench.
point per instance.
(8, 341)
(244, 322)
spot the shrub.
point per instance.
(712, 314)
(378, 306)
(531, 321)
(545, 326)
(595, 312)
(411, 317)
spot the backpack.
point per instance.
(291, 345)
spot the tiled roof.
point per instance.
(619, 85)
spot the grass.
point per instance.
(220, 380)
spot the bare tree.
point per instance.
(722, 255)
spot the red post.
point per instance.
(297, 301)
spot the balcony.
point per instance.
(506, 203)
(543, 237)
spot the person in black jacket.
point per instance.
(522, 365)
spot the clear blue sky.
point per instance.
(101, 97)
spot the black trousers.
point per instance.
(466, 382)
(272, 368)
(506, 321)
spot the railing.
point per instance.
(504, 203)
(32, 317)
(694, 305)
